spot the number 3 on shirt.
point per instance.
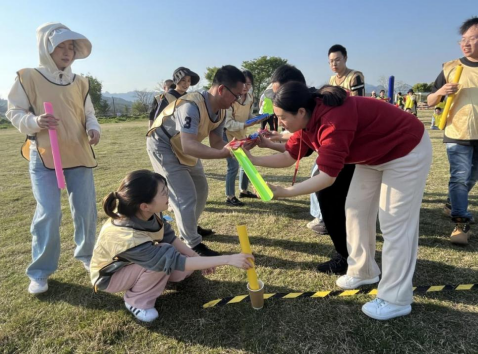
(187, 123)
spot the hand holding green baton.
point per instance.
(256, 179)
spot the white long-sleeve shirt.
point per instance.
(25, 121)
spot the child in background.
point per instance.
(436, 119)
(137, 252)
(77, 128)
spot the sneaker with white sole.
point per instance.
(147, 315)
(380, 309)
(348, 283)
(38, 286)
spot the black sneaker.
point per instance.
(337, 265)
(205, 232)
(247, 194)
(205, 251)
(234, 202)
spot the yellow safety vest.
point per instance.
(240, 113)
(206, 124)
(69, 106)
(462, 120)
(114, 240)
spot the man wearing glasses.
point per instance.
(461, 131)
(174, 146)
(351, 80)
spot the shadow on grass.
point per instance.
(268, 178)
(282, 324)
(299, 209)
(313, 248)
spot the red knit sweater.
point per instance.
(361, 131)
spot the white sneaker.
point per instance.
(312, 223)
(147, 315)
(38, 286)
(348, 283)
(380, 309)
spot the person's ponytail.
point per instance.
(137, 187)
(110, 204)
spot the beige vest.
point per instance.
(346, 84)
(69, 105)
(165, 95)
(462, 121)
(114, 240)
(240, 113)
(206, 125)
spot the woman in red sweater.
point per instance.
(392, 153)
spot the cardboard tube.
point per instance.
(450, 98)
(256, 296)
(55, 149)
(246, 248)
(256, 179)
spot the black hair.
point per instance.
(248, 75)
(170, 84)
(439, 108)
(467, 24)
(338, 48)
(229, 76)
(382, 91)
(286, 73)
(294, 95)
(399, 93)
(137, 187)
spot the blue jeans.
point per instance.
(232, 168)
(45, 226)
(463, 175)
(314, 202)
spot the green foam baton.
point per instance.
(256, 179)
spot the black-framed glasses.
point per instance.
(238, 97)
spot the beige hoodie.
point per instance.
(49, 36)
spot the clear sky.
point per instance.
(139, 43)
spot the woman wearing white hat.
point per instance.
(77, 129)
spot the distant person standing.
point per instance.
(265, 104)
(382, 97)
(461, 130)
(411, 102)
(183, 78)
(400, 101)
(349, 79)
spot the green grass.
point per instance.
(71, 318)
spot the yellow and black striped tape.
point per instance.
(323, 294)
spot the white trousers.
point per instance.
(394, 190)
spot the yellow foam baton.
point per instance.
(256, 179)
(246, 248)
(449, 99)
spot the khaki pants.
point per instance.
(394, 190)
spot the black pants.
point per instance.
(272, 121)
(332, 206)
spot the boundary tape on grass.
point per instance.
(338, 293)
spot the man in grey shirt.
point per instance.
(175, 148)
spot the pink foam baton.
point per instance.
(55, 150)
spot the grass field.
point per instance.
(71, 318)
